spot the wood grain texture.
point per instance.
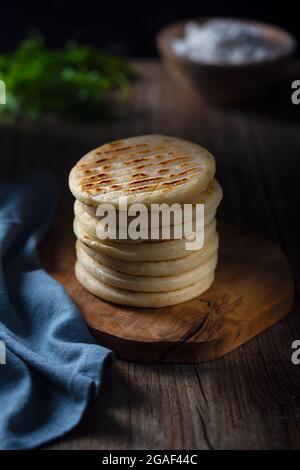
(250, 398)
(245, 299)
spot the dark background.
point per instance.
(124, 27)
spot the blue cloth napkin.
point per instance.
(52, 362)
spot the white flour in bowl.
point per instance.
(222, 41)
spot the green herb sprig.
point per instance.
(69, 83)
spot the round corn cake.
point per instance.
(146, 251)
(211, 199)
(146, 169)
(145, 283)
(89, 225)
(141, 299)
(157, 268)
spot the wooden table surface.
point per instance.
(249, 399)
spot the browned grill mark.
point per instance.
(96, 184)
(86, 179)
(172, 160)
(121, 149)
(139, 174)
(145, 151)
(104, 181)
(97, 163)
(136, 160)
(186, 172)
(146, 180)
(140, 188)
(174, 182)
(140, 152)
(98, 175)
(180, 155)
(163, 170)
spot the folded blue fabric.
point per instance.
(52, 361)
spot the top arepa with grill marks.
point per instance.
(146, 169)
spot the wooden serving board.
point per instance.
(253, 290)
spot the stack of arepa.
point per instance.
(149, 170)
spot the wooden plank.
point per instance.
(185, 407)
(278, 147)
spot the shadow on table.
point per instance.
(274, 102)
(106, 423)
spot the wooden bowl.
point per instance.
(231, 83)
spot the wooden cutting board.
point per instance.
(253, 290)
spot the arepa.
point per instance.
(146, 251)
(211, 199)
(144, 283)
(146, 169)
(141, 299)
(89, 225)
(158, 268)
